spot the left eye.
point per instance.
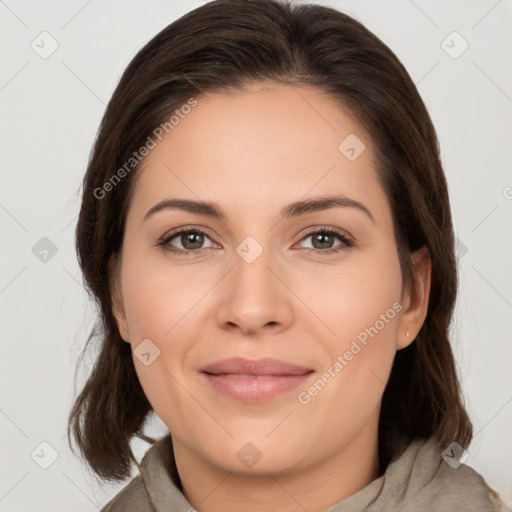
(324, 240)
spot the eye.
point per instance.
(191, 240)
(322, 240)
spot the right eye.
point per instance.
(190, 240)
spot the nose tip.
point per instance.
(254, 299)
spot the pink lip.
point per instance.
(264, 378)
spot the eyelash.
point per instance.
(346, 241)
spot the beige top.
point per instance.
(419, 480)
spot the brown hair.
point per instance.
(224, 45)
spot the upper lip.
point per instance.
(264, 366)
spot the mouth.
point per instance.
(254, 381)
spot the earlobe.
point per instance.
(416, 309)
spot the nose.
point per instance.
(254, 297)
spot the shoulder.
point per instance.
(446, 487)
(465, 486)
(131, 498)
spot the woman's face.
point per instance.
(258, 284)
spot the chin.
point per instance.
(259, 459)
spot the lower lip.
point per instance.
(256, 389)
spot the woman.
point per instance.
(266, 229)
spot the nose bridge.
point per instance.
(253, 296)
(251, 275)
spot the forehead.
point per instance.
(268, 144)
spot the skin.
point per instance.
(253, 152)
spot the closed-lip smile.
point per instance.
(254, 380)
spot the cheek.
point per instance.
(360, 306)
(160, 302)
(164, 303)
(160, 297)
(353, 296)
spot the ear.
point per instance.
(415, 303)
(116, 294)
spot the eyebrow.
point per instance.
(295, 209)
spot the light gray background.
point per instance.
(50, 111)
